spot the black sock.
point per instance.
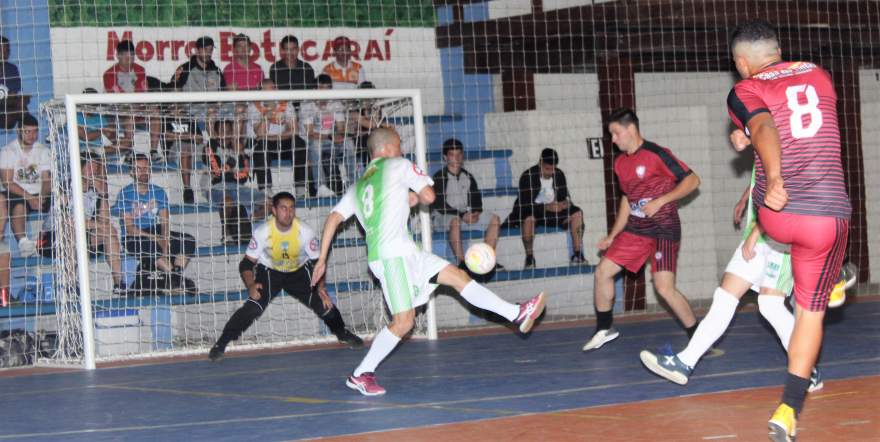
(691, 330)
(795, 392)
(334, 321)
(604, 320)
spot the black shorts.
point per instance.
(542, 216)
(297, 283)
(147, 251)
(46, 244)
(13, 200)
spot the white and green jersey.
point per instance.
(777, 273)
(380, 200)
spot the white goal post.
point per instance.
(72, 105)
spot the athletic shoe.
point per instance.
(578, 259)
(156, 157)
(325, 192)
(216, 353)
(366, 384)
(350, 339)
(530, 311)
(783, 424)
(848, 276)
(530, 262)
(27, 247)
(120, 290)
(816, 383)
(600, 338)
(666, 364)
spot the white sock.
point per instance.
(711, 327)
(382, 346)
(479, 296)
(773, 309)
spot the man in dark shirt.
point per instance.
(12, 103)
(543, 200)
(291, 73)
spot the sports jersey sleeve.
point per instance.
(743, 103)
(674, 166)
(310, 244)
(161, 198)
(258, 242)
(346, 205)
(414, 177)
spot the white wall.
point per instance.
(869, 81)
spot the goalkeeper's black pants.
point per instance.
(297, 284)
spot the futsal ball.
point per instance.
(480, 258)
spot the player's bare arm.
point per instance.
(740, 208)
(681, 190)
(330, 226)
(619, 224)
(765, 139)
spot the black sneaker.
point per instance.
(530, 262)
(188, 196)
(119, 290)
(350, 339)
(216, 353)
(578, 259)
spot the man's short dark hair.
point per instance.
(549, 156)
(452, 144)
(366, 85)
(752, 31)
(28, 120)
(288, 39)
(624, 116)
(204, 42)
(325, 79)
(90, 90)
(4, 40)
(138, 157)
(241, 37)
(124, 46)
(282, 196)
(341, 41)
(88, 157)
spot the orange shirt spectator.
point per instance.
(345, 72)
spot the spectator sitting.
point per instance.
(241, 74)
(199, 74)
(291, 73)
(543, 200)
(25, 169)
(272, 126)
(346, 73)
(126, 76)
(97, 132)
(101, 233)
(458, 201)
(229, 171)
(143, 210)
(12, 104)
(323, 123)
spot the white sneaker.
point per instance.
(27, 247)
(600, 338)
(325, 192)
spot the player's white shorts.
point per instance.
(405, 280)
(440, 222)
(769, 268)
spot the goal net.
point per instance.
(124, 288)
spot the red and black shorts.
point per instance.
(630, 251)
(818, 246)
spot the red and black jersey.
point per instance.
(801, 99)
(648, 173)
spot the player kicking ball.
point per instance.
(381, 200)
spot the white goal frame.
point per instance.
(82, 253)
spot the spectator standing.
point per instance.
(241, 74)
(345, 72)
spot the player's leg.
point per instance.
(252, 309)
(626, 251)
(479, 296)
(664, 264)
(455, 237)
(817, 252)
(298, 285)
(492, 232)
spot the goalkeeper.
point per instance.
(281, 255)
